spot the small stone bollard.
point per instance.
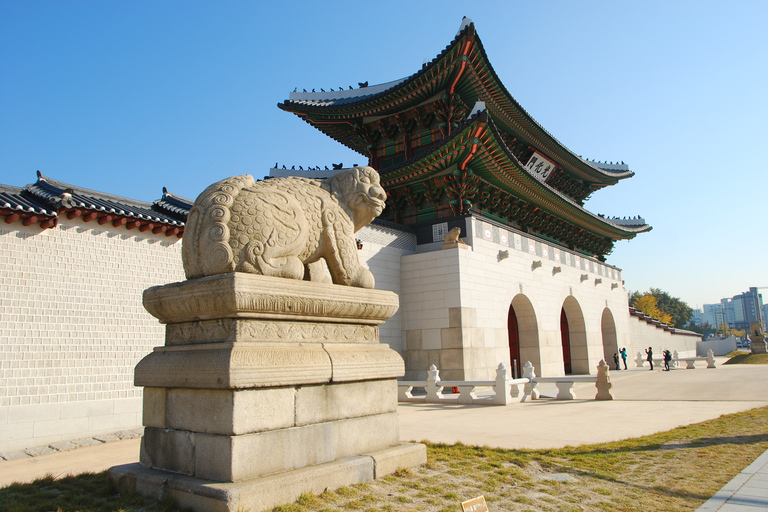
(501, 388)
(639, 360)
(530, 374)
(603, 383)
(710, 359)
(433, 387)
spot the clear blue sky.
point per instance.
(126, 97)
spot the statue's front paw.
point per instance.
(364, 279)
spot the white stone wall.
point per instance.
(455, 305)
(72, 327)
(646, 335)
(382, 251)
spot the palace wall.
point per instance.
(646, 334)
(72, 327)
(72, 324)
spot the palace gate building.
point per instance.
(455, 150)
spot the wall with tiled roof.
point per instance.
(72, 327)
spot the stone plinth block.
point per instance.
(243, 457)
(250, 365)
(240, 295)
(266, 388)
(265, 493)
(246, 411)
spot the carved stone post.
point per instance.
(433, 387)
(530, 374)
(710, 359)
(603, 383)
(639, 360)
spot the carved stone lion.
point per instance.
(283, 226)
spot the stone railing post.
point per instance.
(639, 360)
(675, 356)
(710, 359)
(433, 387)
(530, 374)
(501, 388)
(603, 383)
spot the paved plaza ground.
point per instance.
(645, 402)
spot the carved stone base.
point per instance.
(758, 347)
(266, 492)
(266, 388)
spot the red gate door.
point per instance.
(566, 339)
(514, 343)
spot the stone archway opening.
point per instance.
(523, 330)
(573, 334)
(610, 342)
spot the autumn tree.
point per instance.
(647, 304)
(663, 306)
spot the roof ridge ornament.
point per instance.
(465, 22)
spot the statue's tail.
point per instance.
(205, 248)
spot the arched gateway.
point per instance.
(523, 334)
(608, 330)
(573, 335)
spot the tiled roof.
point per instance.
(53, 198)
(386, 99)
(14, 198)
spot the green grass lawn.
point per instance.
(670, 471)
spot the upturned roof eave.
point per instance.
(361, 107)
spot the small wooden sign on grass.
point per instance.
(475, 505)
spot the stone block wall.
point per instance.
(456, 301)
(72, 327)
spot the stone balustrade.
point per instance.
(504, 390)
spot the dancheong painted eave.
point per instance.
(462, 67)
(476, 150)
(47, 200)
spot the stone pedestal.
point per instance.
(758, 345)
(266, 388)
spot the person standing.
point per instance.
(667, 359)
(616, 360)
(623, 353)
(649, 356)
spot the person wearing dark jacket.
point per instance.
(649, 357)
(667, 359)
(616, 360)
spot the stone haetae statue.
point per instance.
(281, 226)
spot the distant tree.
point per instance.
(680, 311)
(647, 304)
(663, 307)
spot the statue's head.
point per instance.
(359, 192)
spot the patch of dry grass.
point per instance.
(747, 358)
(670, 471)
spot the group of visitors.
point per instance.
(649, 357)
(667, 358)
